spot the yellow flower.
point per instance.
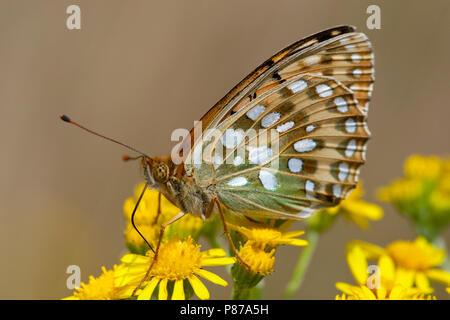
(420, 167)
(418, 255)
(357, 210)
(102, 288)
(423, 195)
(384, 282)
(257, 259)
(271, 237)
(401, 190)
(260, 263)
(415, 262)
(364, 293)
(440, 197)
(178, 262)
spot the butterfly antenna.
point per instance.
(126, 157)
(133, 214)
(67, 119)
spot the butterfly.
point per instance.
(315, 95)
(313, 98)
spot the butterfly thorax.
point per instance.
(171, 180)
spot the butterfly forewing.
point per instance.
(246, 89)
(293, 138)
(347, 58)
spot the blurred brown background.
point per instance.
(139, 69)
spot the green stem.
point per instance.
(302, 264)
(240, 293)
(248, 293)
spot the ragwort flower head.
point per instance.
(177, 266)
(423, 194)
(103, 287)
(387, 281)
(260, 263)
(364, 293)
(259, 260)
(412, 264)
(427, 168)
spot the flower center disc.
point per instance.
(177, 260)
(413, 256)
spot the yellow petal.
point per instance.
(360, 221)
(363, 209)
(381, 293)
(285, 226)
(358, 264)
(356, 193)
(212, 262)
(404, 277)
(127, 279)
(199, 288)
(214, 253)
(134, 258)
(387, 268)
(333, 210)
(370, 250)
(294, 242)
(422, 282)
(397, 293)
(211, 277)
(126, 292)
(178, 291)
(138, 270)
(342, 297)
(146, 294)
(162, 295)
(345, 288)
(439, 275)
(367, 294)
(438, 255)
(293, 234)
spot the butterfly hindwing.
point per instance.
(314, 162)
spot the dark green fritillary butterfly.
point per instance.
(313, 98)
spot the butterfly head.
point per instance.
(156, 171)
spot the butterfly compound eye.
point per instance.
(161, 172)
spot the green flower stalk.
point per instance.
(261, 264)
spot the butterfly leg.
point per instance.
(227, 233)
(158, 213)
(161, 233)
